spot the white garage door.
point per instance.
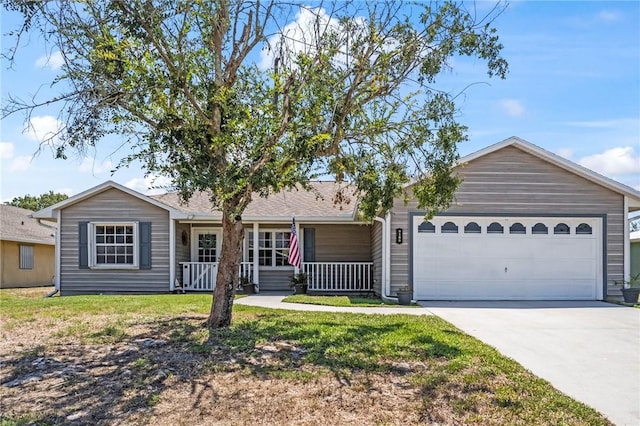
(516, 258)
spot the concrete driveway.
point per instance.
(588, 350)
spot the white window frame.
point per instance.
(273, 248)
(93, 261)
(26, 257)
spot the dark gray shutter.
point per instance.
(309, 244)
(144, 229)
(83, 245)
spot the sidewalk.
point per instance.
(274, 300)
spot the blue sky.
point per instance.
(573, 89)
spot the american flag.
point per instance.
(294, 248)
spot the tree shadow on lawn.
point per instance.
(331, 345)
(94, 383)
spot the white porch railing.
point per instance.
(339, 276)
(330, 277)
(201, 276)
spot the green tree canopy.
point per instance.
(35, 203)
(245, 98)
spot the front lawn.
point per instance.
(148, 360)
(348, 301)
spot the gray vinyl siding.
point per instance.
(343, 243)
(376, 256)
(183, 251)
(511, 181)
(113, 205)
(275, 279)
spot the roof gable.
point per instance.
(570, 166)
(51, 211)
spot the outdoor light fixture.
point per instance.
(399, 235)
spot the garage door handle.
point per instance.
(505, 270)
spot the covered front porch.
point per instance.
(337, 258)
(324, 277)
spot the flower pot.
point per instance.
(404, 297)
(300, 288)
(249, 288)
(631, 294)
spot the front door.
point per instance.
(205, 251)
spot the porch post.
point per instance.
(256, 262)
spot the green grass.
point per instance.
(14, 306)
(344, 301)
(448, 368)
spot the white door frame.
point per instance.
(195, 231)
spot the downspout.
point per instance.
(172, 253)
(385, 255)
(387, 258)
(627, 242)
(256, 253)
(57, 251)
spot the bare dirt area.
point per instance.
(151, 379)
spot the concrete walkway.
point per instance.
(588, 350)
(274, 300)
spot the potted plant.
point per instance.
(246, 285)
(404, 295)
(631, 289)
(299, 282)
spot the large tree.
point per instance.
(245, 98)
(38, 202)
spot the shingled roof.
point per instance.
(299, 203)
(16, 224)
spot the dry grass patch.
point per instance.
(148, 360)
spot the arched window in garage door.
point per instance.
(472, 228)
(561, 228)
(495, 228)
(517, 228)
(583, 229)
(427, 227)
(539, 228)
(449, 228)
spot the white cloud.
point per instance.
(145, 184)
(300, 35)
(53, 61)
(608, 16)
(613, 162)
(21, 163)
(303, 34)
(43, 128)
(6, 150)
(512, 107)
(89, 165)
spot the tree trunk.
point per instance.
(228, 271)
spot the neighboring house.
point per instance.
(635, 253)
(526, 224)
(27, 249)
